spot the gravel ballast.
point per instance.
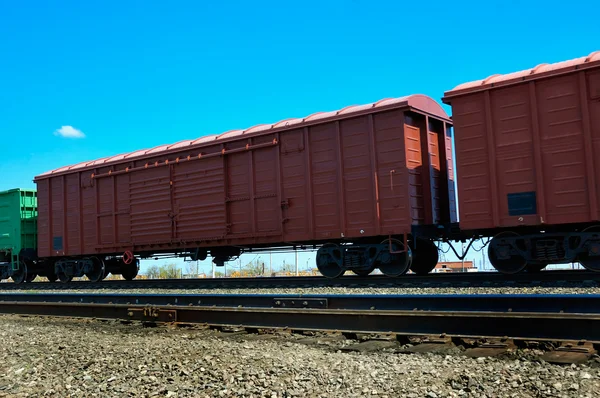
(89, 358)
(337, 290)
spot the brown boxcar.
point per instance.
(526, 149)
(363, 173)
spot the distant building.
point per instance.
(194, 276)
(455, 266)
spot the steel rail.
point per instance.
(547, 303)
(472, 279)
(514, 325)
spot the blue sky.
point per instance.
(137, 74)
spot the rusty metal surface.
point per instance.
(490, 348)
(569, 352)
(363, 171)
(498, 303)
(537, 326)
(525, 145)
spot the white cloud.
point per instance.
(69, 132)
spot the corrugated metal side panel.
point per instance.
(562, 146)
(450, 186)
(89, 214)
(390, 155)
(526, 153)
(199, 199)
(28, 210)
(57, 216)
(239, 179)
(150, 195)
(73, 214)
(414, 164)
(266, 206)
(357, 177)
(513, 140)
(325, 184)
(105, 210)
(10, 221)
(296, 186)
(18, 222)
(437, 186)
(318, 182)
(43, 239)
(472, 162)
(123, 218)
(593, 83)
(593, 96)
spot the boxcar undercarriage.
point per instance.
(26, 267)
(528, 248)
(509, 252)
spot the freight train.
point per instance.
(371, 186)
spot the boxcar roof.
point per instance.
(418, 102)
(540, 71)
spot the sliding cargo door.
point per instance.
(357, 178)
(564, 165)
(253, 208)
(392, 163)
(415, 181)
(266, 204)
(151, 213)
(593, 113)
(113, 217)
(199, 200)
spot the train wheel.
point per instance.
(64, 278)
(394, 264)
(20, 275)
(328, 260)
(129, 276)
(425, 257)
(51, 277)
(514, 263)
(97, 272)
(363, 272)
(30, 277)
(591, 262)
(130, 272)
(532, 268)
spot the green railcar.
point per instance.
(18, 233)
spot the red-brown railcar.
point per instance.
(526, 157)
(355, 181)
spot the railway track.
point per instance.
(562, 278)
(522, 317)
